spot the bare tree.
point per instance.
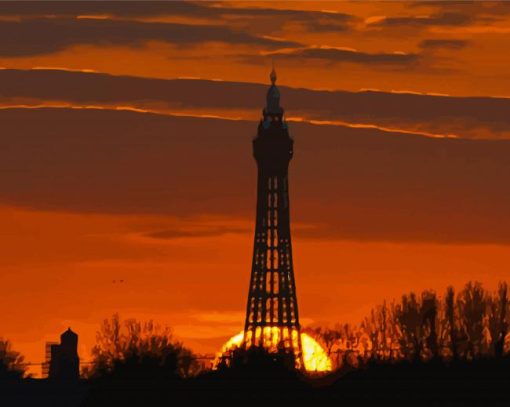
(498, 325)
(429, 315)
(369, 325)
(384, 316)
(473, 303)
(409, 321)
(11, 362)
(330, 337)
(468, 325)
(452, 321)
(131, 343)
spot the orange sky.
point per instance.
(166, 204)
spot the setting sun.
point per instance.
(314, 356)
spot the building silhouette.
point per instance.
(62, 358)
(272, 319)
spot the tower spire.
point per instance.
(273, 97)
(272, 75)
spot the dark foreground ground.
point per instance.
(480, 383)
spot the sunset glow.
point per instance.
(128, 183)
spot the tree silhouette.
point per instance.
(451, 319)
(380, 328)
(11, 362)
(422, 327)
(498, 326)
(409, 322)
(328, 337)
(429, 316)
(473, 305)
(133, 348)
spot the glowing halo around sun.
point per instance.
(314, 356)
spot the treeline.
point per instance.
(464, 325)
(422, 350)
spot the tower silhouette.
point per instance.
(272, 320)
(64, 361)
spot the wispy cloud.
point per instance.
(59, 33)
(444, 43)
(195, 232)
(439, 19)
(339, 55)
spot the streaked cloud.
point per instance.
(338, 55)
(130, 9)
(110, 8)
(443, 43)
(465, 117)
(195, 232)
(42, 36)
(351, 183)
(240, 15)
(439, 19)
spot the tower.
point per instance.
(64, 361)
(272, 320)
